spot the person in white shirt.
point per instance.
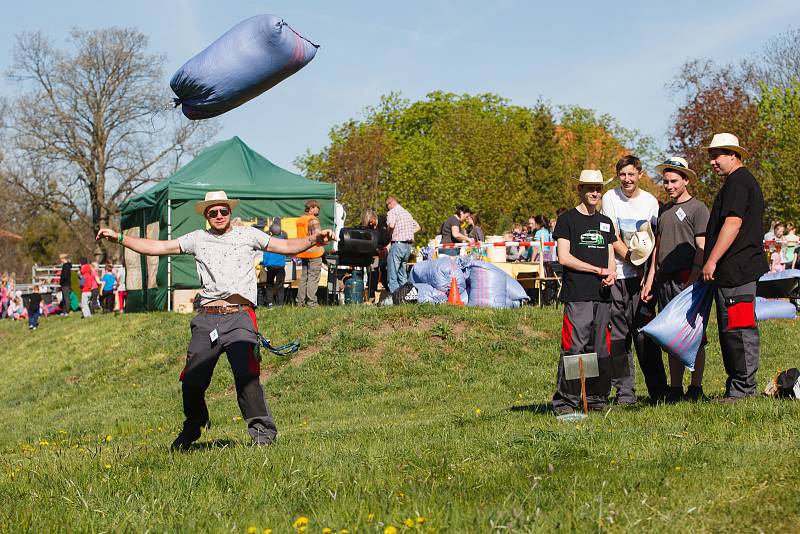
(630, 207)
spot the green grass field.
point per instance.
(402, 419)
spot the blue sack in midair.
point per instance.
(250, 58)
(680, 326)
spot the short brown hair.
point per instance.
(311, 204)
(629, 160)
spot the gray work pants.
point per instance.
(739, 339)
(86, 307)
(585, 328)
(309, 281)
(237, 337)
(628, 315)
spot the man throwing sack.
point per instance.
(226, 320)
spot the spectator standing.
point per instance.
(630, 208)
(676, 262)
(122, 291)
(476, 233)
(65, 282)
(34, 308)
(402, 228)
(275, 264)
(88, 284)
(585, 239)
(791, 242)
(311, 260)
(451, 230)
(95, 299)
(734, 261)
(5, 296)
(109, 283)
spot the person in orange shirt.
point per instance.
(308, 224)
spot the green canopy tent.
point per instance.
(166, 211)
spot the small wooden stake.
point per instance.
(583, 387)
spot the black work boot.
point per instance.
(695, 394)
(185, 439)
(675, 394)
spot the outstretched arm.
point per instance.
(149, 247)
(299, 244)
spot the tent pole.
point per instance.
(169, 258)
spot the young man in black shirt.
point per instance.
(734, 261)
(65, 282)
(585, 240)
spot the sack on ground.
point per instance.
(680, 326)
(250, 58)
(439, 274)
(490, 286)
(427, 294)
(774, 309)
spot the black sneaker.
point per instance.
(262, 435)
(185, 439)
(695, 394)
(674, 394)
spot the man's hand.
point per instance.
(647, 289)
(323, 237)
(708, 271)
(107, 233)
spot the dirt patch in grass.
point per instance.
(531, 333)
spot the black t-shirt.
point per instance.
(66, 274)
(34, 300)
(744, 261)
(589, 237)
(447, 229)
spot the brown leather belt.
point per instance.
(222, 310)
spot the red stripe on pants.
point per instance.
(252, 364)
(566, 333)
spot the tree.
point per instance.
(779, 113)
(715, 99)
(83, 131)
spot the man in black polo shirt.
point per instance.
(734, 261)
(585, 240)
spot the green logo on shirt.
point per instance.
(593, 239)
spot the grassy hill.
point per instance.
(425, 419)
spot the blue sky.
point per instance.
(613, 56)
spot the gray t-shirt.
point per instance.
(678, 225)
(225, 263)
(447, 229)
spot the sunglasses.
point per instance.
(222, 212)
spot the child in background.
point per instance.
(34, 308)
(109, 284)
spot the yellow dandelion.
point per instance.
(108, 438)
(108, 466)
(267, 531)
(344, 531)
(326, 530)
(44, 443)
(420, 520)
(390, 530)
(251, 530)
(477, 411)
(300, 523)
(409, 523)
(677, 468)
(370, 516)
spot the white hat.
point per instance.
(214, 198)
(642, 244)
(591, 177)
(728, 141)
(676, 164)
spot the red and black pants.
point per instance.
(585, 328)
(236, 335)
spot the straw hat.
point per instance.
(728, 141)
(642, 244)
(214, 198)
(676, 164)
(591, 177)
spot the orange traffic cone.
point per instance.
(454, 297)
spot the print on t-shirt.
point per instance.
(592, 239)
